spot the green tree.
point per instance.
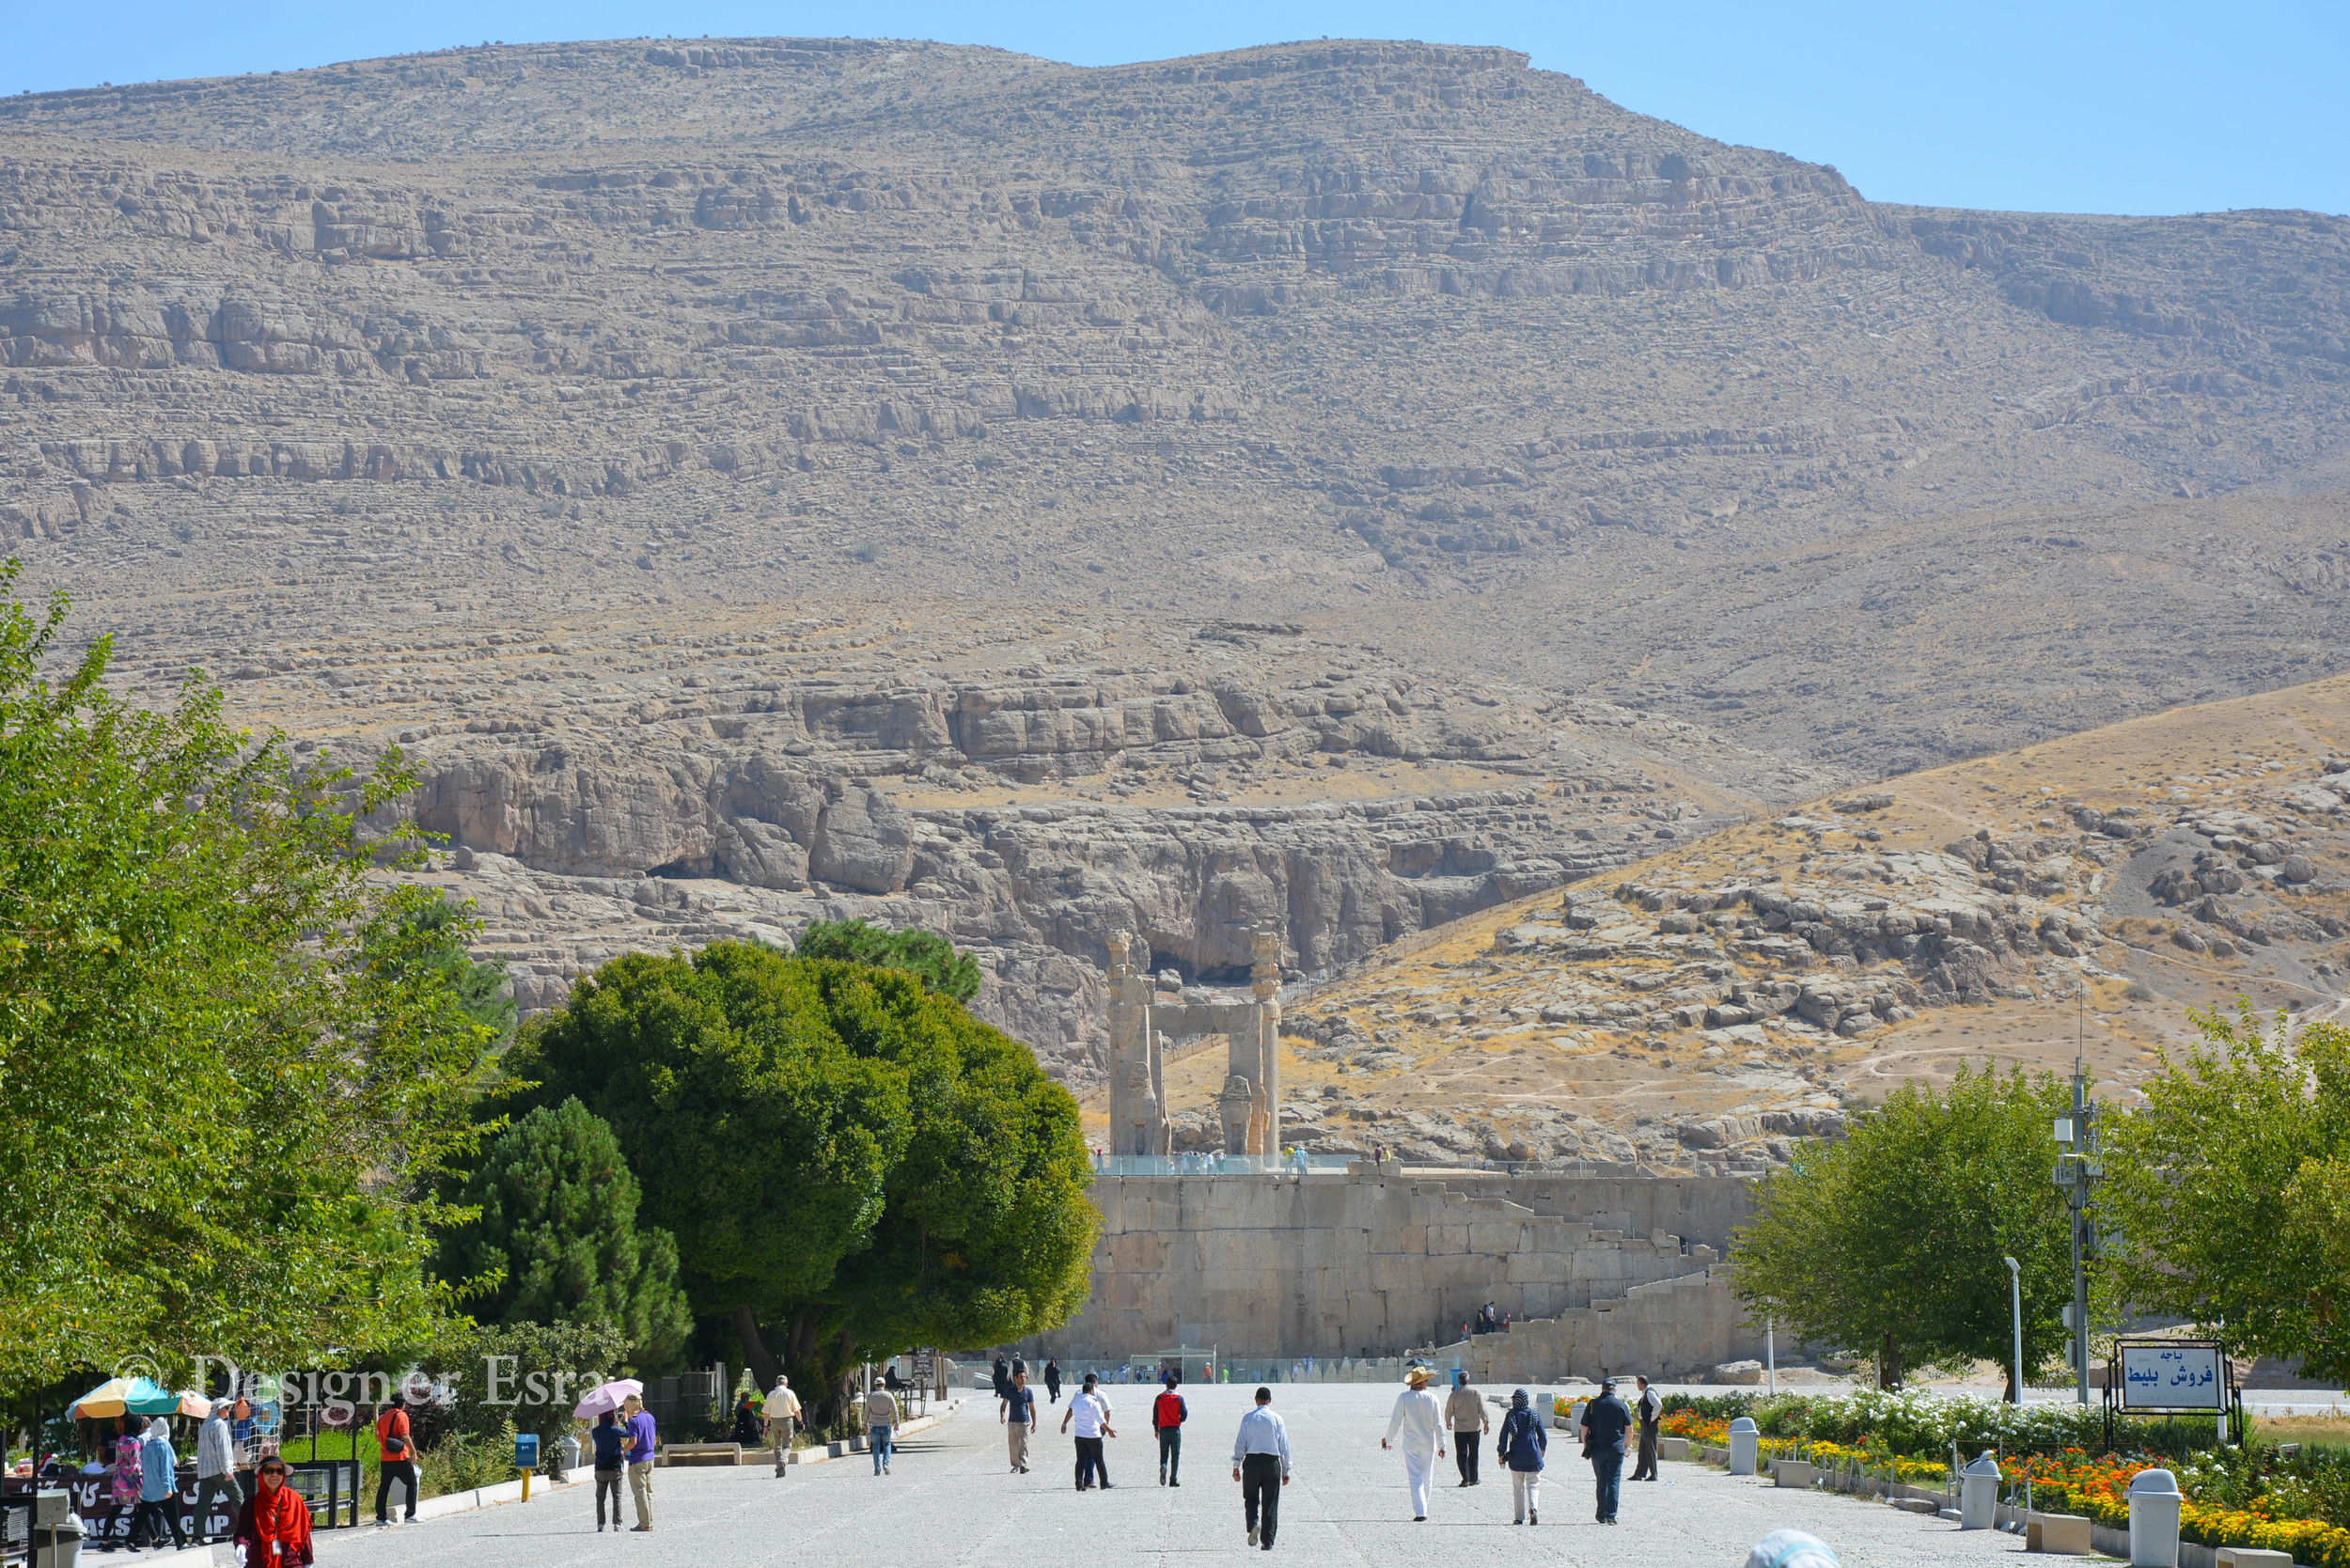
(556, 1223)
(434, 933)
(522, 1377)
(223, 1124)
(930, 959)
(852, 1166)
(1891, 1244)
(2230, 1190)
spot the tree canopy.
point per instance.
(230, 1078)
(840, 1154)
(1891, 1244)
(2230, 1190)
(556, 1225)
(929, 958)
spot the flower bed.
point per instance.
(2234, 1498)
(2072, 1483)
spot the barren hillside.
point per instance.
(1312, 485)
(1702, 1007)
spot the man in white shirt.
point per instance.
(217, 1474)
(783, 1414)
(1090, 1410)
(1260, 1463)
(1419, 1418)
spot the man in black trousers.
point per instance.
(1605, 1420)
(1260, 1463)
(1651, 1411)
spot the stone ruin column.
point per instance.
(1137, 1110)
(1264, 976)
(1236, 1109)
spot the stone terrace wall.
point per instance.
(1674, 1330)
(1334, 1266)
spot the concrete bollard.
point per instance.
(2154, 1499)
(1746, 1444)
(1978, 1492)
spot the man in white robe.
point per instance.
(1420, 1419)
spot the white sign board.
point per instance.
(2156, 1377)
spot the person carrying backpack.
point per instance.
(1168, 1414)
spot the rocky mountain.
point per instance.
(1341, 485)
(1751, 984)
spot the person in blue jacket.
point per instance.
(611, 1441)
(1521, 1446)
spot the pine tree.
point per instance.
(558, 1218)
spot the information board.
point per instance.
(2156, 1375)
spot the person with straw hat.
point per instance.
(1418, 1428)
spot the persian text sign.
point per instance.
(2172, 1378)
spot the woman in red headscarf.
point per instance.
(274, 1527)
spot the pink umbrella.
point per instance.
(607, 1396)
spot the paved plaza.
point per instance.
(951, 1501)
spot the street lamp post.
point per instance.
(2079, 1169)
(2016, 1301)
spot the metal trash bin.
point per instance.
(1978, 1492)
(2154, 1499)
(1746, 1442)
(58, 1546)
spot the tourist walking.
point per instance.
(783, 1419)
(1605, 1420)
(396, 1460)
(1521, 1446)
(1018, 1413)
(881, 1418)
(1651, 1409)
(1090, 1411)
(1052, 1380)
(1465, 1412)
(642, 1446)
(1417, 1427)
(749, 1429)
(1003, 1376)
(216, 1474)
(1168, 1414)
(158, 1510)
(610, 1442)
(1260, 1463)
(274, 1527)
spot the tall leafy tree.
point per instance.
(557, 1225)
(929, 958)
(2230, 1190)
(1892, 1242)
(850, 1164)
(436, 935)
(223, 1120)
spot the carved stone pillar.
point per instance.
(1233, 1107)
(1264, 977)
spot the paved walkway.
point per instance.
(950, 1501)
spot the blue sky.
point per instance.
(2152, 107)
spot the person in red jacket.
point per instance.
(396, 1460)
(274, 1527)
(1167, 1414)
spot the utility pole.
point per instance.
(2079, 1169)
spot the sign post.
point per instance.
(526, 1458)
(2172, 1378)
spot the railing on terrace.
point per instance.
(1218, 1165)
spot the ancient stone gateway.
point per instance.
(1142, 1022)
